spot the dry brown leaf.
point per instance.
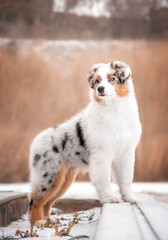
(58, 221)
(25, 234)
(56, 230)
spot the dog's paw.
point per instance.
(40, 223)
(129, 199)
(111, 199)
(115, 199)
(51, 220)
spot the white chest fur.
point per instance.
(115, 127)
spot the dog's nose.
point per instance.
(100, 89)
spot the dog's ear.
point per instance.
(122, 71)
(91, 76)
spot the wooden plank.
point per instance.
(147, 219)
(156, 214)
(117, 221)
(12, 206)
(145, 231)
(10, 195)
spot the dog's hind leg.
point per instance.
(38, 199)
(70, 175)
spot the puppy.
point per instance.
(101, 139)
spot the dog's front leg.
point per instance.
(124, 171)
(100, 175)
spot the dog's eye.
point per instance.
(97, 81)
(111, 79)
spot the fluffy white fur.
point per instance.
(102, 139)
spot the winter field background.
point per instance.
(46, 51)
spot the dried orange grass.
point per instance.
(36, 93)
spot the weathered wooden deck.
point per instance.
(146, 220)
(12, 206)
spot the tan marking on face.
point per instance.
(98, 78)
(129, 76)
(95, 87)
(118, 71)
(96, 97)
(109, 75)
(121, 90)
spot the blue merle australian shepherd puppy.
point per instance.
(101, 139)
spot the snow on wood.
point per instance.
(117, 221)
(85, 190)
(156, 214)
(147, 219)
(145, 231)
(85, 226)
(12, 206)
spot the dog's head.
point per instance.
(109, 80)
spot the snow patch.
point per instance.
(107, 8)
(94, 8)
(85, 190)
(15, 187)
(83, 227)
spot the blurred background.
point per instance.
(46, 51)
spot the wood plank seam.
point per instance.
(147, 221)
(150, 219)
(103, 231)
(137, 223)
